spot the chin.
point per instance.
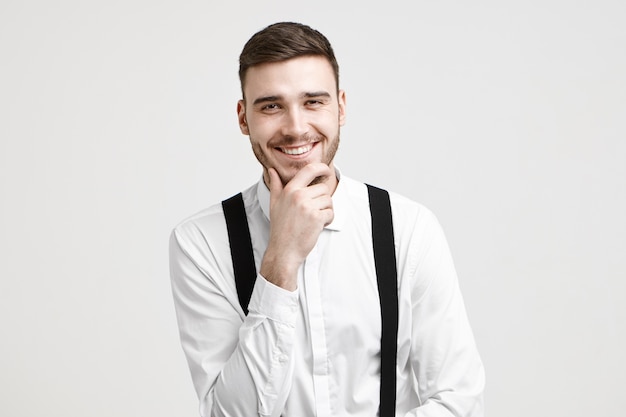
(285, 177)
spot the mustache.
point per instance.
(291, 140)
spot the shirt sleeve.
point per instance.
(444, 356)
(240, 365)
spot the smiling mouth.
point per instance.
(300, 150)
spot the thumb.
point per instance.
(276, 184)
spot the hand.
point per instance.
(298, 213)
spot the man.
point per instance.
(310, 344)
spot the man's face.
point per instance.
(292, 113)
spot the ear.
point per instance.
(241, 116)
(341, 98)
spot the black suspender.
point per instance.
(386, 275)
(240, 248)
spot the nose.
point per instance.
(294, 123)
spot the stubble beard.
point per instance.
(261, 156)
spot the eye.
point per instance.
(270, 107)
(313, 103)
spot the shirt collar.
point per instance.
(339, 202)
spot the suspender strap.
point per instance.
(240, 248)
(387, 277)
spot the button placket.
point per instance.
(318, 328)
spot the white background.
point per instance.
(117, 120)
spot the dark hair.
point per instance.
(283, 41)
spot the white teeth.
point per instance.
(297, 151)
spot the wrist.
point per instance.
(279, 271)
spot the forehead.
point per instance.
(290, 77)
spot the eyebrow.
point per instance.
(316, 94)
(312, 94)
(266, 99)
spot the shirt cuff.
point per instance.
(273, 302)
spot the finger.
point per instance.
(323, 203)
(308, 173)
(317, 190)
(328, 215)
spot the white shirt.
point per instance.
(316, 351)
